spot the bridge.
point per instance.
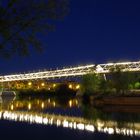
(72, 71)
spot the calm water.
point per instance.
(66, 120)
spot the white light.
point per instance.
(51, 121)
(90, 128)
(70, 125)
(58, 123)
(80, 126)
(131, 132)
(0, 114)
(45, 120)
(31, 118)
(65, 123)
(38, 119)
(110, 130)
(74, 125)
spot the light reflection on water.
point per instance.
(35, 111)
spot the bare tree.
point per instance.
(22, 20)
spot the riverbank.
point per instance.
(121, 100)
(62, 92)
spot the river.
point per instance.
(65, 119)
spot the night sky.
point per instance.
(94, 31)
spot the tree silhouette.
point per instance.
(22, 20)
(120, 80)
(90, 83)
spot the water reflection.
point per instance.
(37, 111)
(41, 104)
(50, 105)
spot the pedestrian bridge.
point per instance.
(71, 71)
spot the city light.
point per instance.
(54, 85)
(70, 103)
(70, 86)
(54, 104)
(42, 84)
(29, 83)
(29, 106)
(78, 87)
(12, 107)
(42, 105)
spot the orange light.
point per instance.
(78, 86)
(42, 84)
(29, 83)
(42, 105)
(29, 106)
(12, 107)
(70, 103)
(70, 86)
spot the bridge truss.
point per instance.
(51, 74)
(125, 66)
(72, 71)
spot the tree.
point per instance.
(137, 85)
(120, 80)
(104, 85)
(90, 83)
(22, 20)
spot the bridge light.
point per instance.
(70, 86)
(29, 83)
(78, 86)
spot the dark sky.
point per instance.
(94, 31)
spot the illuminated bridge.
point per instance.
(72, 71)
